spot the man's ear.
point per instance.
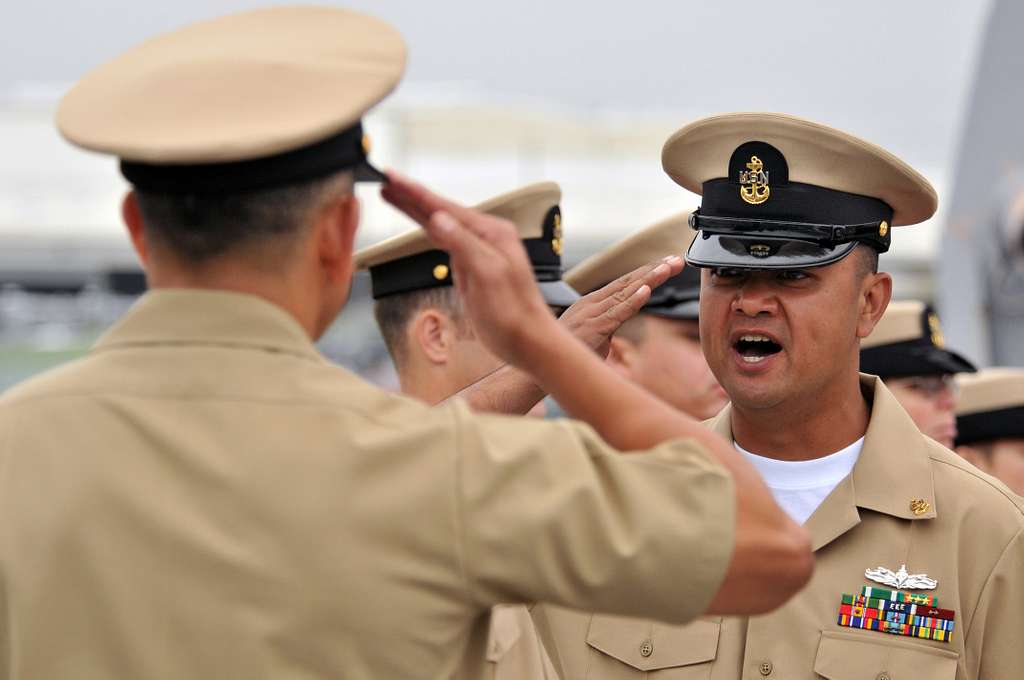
(336, 233)
(433, 334)
(876, 292)
(132, 216)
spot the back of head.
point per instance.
(263, 226)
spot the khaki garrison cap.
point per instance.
(409, 261)
(677, 298)
(908, 341)
(247, 101)
(782, 192)
(991, 405)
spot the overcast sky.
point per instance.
(894, 72)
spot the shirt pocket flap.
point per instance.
(848, 656)
(649, 646)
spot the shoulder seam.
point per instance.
(1003, 492)
(988, 580)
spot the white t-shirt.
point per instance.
(800, 486)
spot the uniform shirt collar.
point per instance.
(892, 472)
(895, 468)
(172, 316)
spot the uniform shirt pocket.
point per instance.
(849, 656)
(626, 648)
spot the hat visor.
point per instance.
(904, 362)
(685, 311)
(558, 293)
(753, 251)
(365, 172)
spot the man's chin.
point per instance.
(753, 393)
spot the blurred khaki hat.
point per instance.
(676, 298)
(245, 101)
(409, 261)
(908, 341)
(991, 405)
(783, 192)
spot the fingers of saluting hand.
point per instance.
(624, 311)
(416, 200)
(661, 272)
(622, 289)
(652, 274)
(464, 244)
(421, 204)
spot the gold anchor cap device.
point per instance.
(781, 192)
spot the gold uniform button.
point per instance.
(441, 272)
(766, 668)
(646, 649)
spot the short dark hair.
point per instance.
(394, 312)
(868, 259)
(201, 227)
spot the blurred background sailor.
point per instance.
(990, 420)
(435, 350)
(908, 352)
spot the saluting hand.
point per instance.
(491, 270)
(595, 317)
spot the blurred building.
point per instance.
(67, 272)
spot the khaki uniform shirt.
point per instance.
(514, 650)
(205, 496)
(968, 538)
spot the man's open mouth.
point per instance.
(754, 348)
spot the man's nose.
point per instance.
(755, 298)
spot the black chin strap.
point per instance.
(875, 234)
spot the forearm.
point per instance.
(768, 547)
(507, 390)
(624, 414)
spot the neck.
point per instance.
(814, 426)
(279, 288)
(421, 385)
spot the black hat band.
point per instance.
(795, 211)
(683, 287)
(432, 268)
(1005, 423)
(347, 149)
